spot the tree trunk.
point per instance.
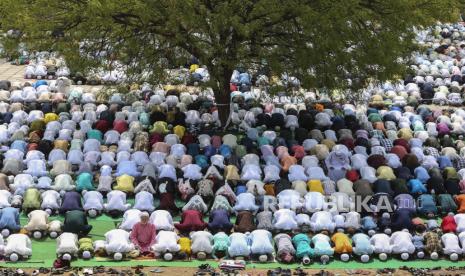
(223, 100)
(223, 95)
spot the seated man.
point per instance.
(76, 222)
(143, 234)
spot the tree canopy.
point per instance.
(322, 42)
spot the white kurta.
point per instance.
(117, 241)
(167, 241)
(381, 243)
(67, 243)
(50, 200)
(162, 220)
(401, 242)
(202, 241)
(18, 243)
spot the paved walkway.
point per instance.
(13, 73)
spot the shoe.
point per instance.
(88, 271)
(113, 271)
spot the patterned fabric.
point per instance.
(432, 151)
(459, 163)
(432, 242)
(377, 134)
(387, 144)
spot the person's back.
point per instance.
(76, 222)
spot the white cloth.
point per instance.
(140, 157)
(381, 243)
(245, 202)
(117, 241)
(63, 182)
(322, 220)
(340, 202)
(271, 173)
(297, 172)
(5, 199)
(93, 200)
(192, 171)
(36, 168)
(261, 242)
(51, 199)
(167, 171)
(251, 171)
(67, 243)
(285, 219)
(255, 187)
(116, 200)
(239, 245)
(352, 220)
(56, 154)
(44, 183)
(107, 158)
(462, 240)
(18, 243)
(316, 173)
(144, 201)
(460, 221)
(167, 241)
(314, 201)
(303, 219)
(289, 199)
(202, 241)
(401, 242)
(130, 218)
(162, 220)
(22, 182)
(451, 244)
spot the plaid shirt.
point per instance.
(387, 144)
(432, 242)
(432, 151)
(459, 163)
(377, 134)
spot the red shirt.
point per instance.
(143, 236)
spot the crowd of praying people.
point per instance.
(304, 181)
